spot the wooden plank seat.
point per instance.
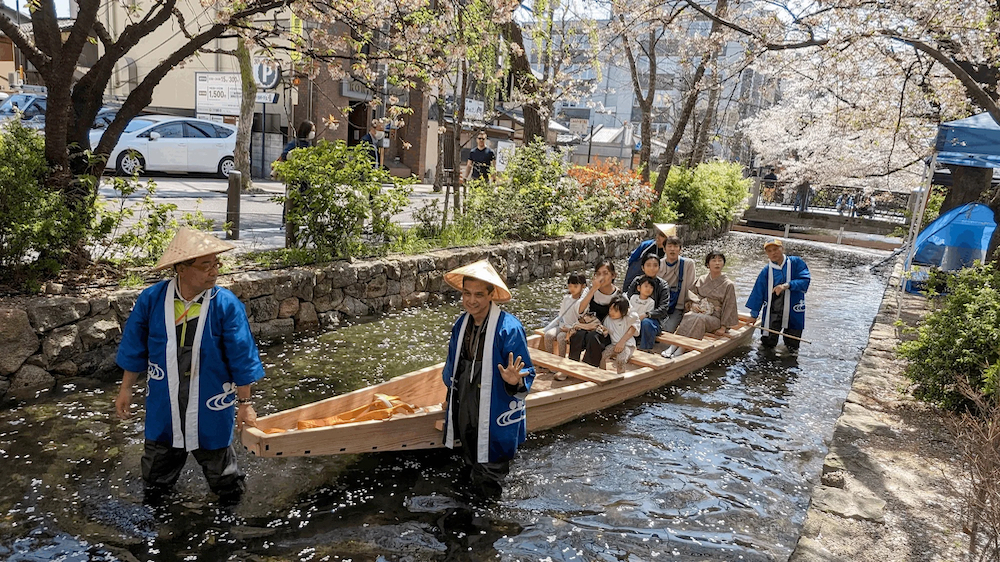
(575, 369)
(682, 341)
(646, 359)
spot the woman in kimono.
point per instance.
(711, 304)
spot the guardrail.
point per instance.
(844, 200)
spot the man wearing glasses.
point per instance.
(481, 158)
(193, 341)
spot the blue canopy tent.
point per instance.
(973, 141)
(953, 241)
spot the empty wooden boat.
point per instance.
(406, 412)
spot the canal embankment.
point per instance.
(891, 484)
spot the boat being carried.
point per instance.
(406, 412)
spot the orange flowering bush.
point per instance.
(608, 195)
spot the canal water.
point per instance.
(717, 466)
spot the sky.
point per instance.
(62, 6)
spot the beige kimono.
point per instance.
(712, 306)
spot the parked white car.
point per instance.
(165, 143)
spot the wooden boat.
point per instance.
(550, 402)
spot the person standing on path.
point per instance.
(780, 291)
(192, 339)
(481, 159)
(373, 140)
(488, 373)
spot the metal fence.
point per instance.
(843, 200)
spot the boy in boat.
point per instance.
(780, 291)
(679, 275)
(556, 331)
(488, 374)
(622, 326)
(192, 341)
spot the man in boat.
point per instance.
(192, 340)
(651, 247)
(488, 374)
(679, 273)
(780, 291)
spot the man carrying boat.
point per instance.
(488, 374)
(192, 340)
(781, 291)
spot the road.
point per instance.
(260, 218)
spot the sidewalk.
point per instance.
(260, 217)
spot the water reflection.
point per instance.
(717, 466)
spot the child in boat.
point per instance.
(643, 302)
(557, 331)
(622, 326)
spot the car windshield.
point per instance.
(136, 124)
(20, 100)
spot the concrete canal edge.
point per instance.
(890, 488)
(48, 339)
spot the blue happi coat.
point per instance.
(794, 271)
(502, 425)
(224, 356)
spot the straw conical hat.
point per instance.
(189, 243)
(666, 229)
(483, 271)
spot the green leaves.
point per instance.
(710, 194)
(342, 201)
(957, 346)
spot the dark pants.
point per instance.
(162, 466)
(649, 330)
(591, 344)
(768, 340)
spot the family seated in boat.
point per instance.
(602, 324)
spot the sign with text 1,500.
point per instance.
(218, 93)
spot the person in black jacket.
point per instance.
(652, 322)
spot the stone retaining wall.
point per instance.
(57, 337)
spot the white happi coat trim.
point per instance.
(187, 439)
(486, 384)
(786, 294)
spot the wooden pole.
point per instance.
(233, 204)
(781, 334)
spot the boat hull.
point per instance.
(592, 390)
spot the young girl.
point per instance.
(643, 302)
(622, 327)
(558, 329)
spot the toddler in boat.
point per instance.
(622, 326)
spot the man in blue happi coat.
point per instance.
(780, 291)
(192, 340)
(488, 374)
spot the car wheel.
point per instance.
(226, 165)
(131, 163)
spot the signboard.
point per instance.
(474, 109)
(218, 93)
(579, 126)
(266, 72)
(505, 151)
(267, 97)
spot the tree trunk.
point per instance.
(525, 82)
(456, 132)
(967, 184)
(439, 179)
(688, 108)
(701, 142)
(243, 131)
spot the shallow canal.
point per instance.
(717, 466)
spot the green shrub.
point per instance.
(526, 200)
(608, 195)
(34, 220)
(931, 211)
(957, 346)
(335, 192)
(711, 194)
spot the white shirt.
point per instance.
(641, 306)
(618, 328)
